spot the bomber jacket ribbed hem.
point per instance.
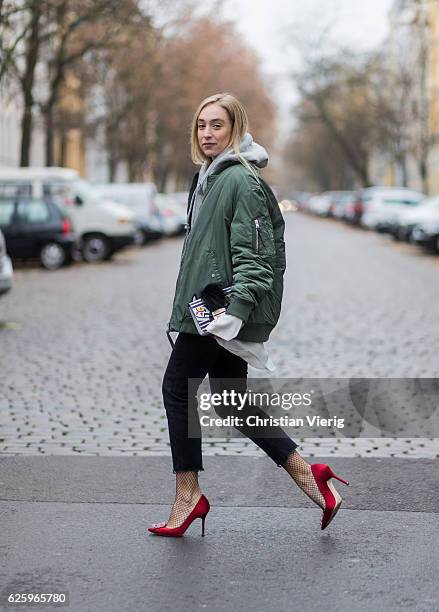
(251, 332)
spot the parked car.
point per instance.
(318, 204)
(37, 229)
(173, 211)
(300, 198)
(426, 234)
(353, 207)
(140, 199)
(404, 223)
(6, 270)
(381, 205)
(340, 200)
(102, 226)
(342, 203)
(325, 203)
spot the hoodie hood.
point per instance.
(250, 150)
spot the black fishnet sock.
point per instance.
(301, 472)
(187, 494)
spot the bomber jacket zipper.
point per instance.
(257, 234)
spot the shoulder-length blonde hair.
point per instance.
(237, 115)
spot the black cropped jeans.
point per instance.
(193, 357)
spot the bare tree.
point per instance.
(77, 28)
(27, 77)
(339, 96)
(190, 69)
(312, 158)
(13, 30)
(20, 45)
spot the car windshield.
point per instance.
(65, 192)
(6, 212)
(33, 211)
(13, 189)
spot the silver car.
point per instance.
(381, 205)
(6, 271)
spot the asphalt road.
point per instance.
(79, 525)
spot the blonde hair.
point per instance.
(238, 117)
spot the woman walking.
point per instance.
(234, 238)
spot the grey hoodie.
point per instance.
(250, 151)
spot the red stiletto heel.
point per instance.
(200, 511)
(323, 477)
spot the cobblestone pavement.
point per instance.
(83, 349)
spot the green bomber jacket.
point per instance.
(237, 240)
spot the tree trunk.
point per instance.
(131, 170)
(26, 129)
(163, 179)
(48, 116)
(423, 170)
(62, 156)
(112, 167)
(27, 83)
(401, 163)
(360, 167)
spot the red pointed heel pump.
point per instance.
(323, 476)
(200, 511)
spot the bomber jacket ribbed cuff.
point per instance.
(240, 308)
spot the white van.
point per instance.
(103, 226)
(140, 199)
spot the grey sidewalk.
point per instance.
(79, 523)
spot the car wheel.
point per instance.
(95, 248)
(52, 256)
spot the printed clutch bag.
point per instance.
(201, 314)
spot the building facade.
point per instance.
(412, 61)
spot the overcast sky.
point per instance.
(265, 24)
(271, 25)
